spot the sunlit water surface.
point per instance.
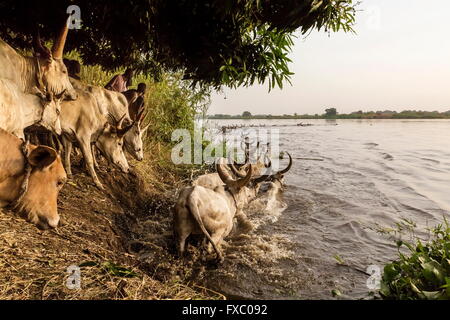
(374, 174)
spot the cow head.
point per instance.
(263, 162)
(51, 113)
(110, 143)
(237, 187)
(52, 74)
(275, 177)
(47, 177)
(133, 138)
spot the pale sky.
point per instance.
(399, 59)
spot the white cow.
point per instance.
(19, 110)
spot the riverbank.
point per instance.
(102, 232)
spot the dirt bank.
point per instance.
(105, 233)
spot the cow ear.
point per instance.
(110, 128)
(42, 157)
(41, 50)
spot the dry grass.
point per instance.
(98, 229)
(94, 234)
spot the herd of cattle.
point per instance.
(36, 94)
(209, 206)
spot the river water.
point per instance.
(374, 174)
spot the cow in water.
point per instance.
(200, 210)
(30, 180)
(44, 74)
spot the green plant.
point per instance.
(424, 273)
(215, 42)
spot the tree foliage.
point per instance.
(214, 42)
(330, 112)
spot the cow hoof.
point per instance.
(220, 260)
(99, 185)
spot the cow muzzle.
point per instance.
(71, 95)
(45, 223)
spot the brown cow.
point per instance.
(38, 200)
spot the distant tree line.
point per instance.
(331, 113)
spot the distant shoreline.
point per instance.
(340, 118)
(395, 116)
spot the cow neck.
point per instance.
(233, 196)
(40, 83)
(33, 109)
(31, 75)
(27, 172)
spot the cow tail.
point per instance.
(191, 206)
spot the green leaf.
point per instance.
(88, 264)
(390, 272)
(336, 293)
(432, 295)
(118, 271)
(384, 289)
(339, 259)
(433, 272)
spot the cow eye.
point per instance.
(58, 112)
(60, 183)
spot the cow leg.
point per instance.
(217, 238)
(67, 151)
(182, 243)
(94, 157)
(57, 143)
(50, 141)
(86, 150)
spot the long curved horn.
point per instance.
(122, 131)
(267, 163)
(288, 167)
(224, 177)
(244, 181)
(111, 119)
(58, 45)
(261, 179)
(233, 168)
(120, 122)
(233, 183)
(268, 176)
(139, 115)
(235, 171)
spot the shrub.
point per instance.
(424, 273)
